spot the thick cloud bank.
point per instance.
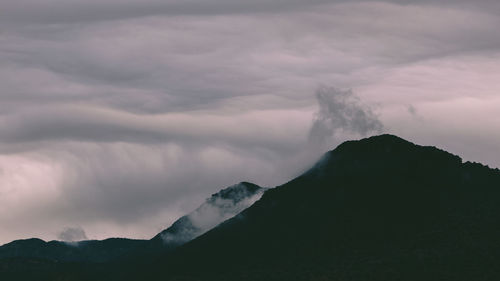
(121, 116)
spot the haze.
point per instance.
(117, 117)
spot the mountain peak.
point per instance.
(380, 208)
(369, 209)
(381, 138)
(236, 192)
(221, 206)
(390, 149)
(26, 242)
(385, 142)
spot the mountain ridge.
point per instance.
(380, 198)
(116, 248)
(380, 208)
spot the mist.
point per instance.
(120, 117)
(72, 234)
(340, 112)
(215, 210)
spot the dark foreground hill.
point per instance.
(35, 256)
(376, 209)
(380, 208)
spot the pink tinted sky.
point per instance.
(119, 116)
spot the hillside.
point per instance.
(32, 257)
(380, 208)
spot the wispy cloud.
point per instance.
(215, 210)
(340, 112)
(119, 116)
(72, 234)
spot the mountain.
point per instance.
(82, 251)
(216, 209)
(381, 208)
(219, 207)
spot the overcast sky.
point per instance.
(118, 116)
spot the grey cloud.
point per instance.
(219, 210)
(63, 11)
(341, 111)
(72, 234)
(412, 110)
(94, 124)
(57, 11)
(120, 189)
(120, 115)
(212, 212)
(135, 183)
(178, 63)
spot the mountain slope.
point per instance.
(217, 208)
(376, 209)
(380, 208)
(221, 206)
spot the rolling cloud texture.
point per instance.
(120, 116)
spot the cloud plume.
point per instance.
(119, 116)
(341, 111)
(72, 234)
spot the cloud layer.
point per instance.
(120, 116)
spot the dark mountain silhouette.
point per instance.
(380, 208)
(83, 251)
(217, 208)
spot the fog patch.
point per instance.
(219, 207)
(72, 234)
(412, 110)
(341, 112)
